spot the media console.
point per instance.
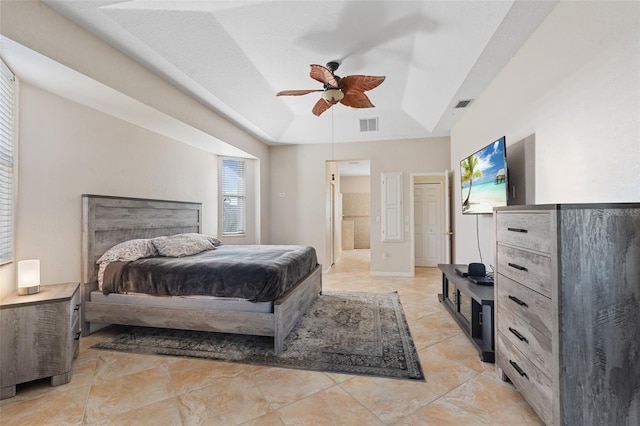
(471, 305)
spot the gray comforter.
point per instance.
(258, 273)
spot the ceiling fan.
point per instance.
(347, 90)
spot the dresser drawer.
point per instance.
(74, 307)
(533, 308)
(526, 339)
(73, 336)
(527, 268)
(526, 230)
(76, 331)
(534, 386)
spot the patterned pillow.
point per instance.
(103, 266)
(183, 244)
(129, 251)
(216, 242)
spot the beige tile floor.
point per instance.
(109, 388)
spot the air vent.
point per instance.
(369, 124)
(463, 104)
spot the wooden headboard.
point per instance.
(107, 221)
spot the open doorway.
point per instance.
(350, 207)
(355, 188)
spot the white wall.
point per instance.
(66, 150)
(41, 29)
(301, 216)
(355, 184)
(37, 27)
(575, 84)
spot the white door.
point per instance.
(428, 223)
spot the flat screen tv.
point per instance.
(484, 179)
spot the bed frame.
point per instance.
(107, 221)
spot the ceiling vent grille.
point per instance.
(463, 104)
(369, 124)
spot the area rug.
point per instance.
(343, 332)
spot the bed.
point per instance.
(108, 221)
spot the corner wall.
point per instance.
(39, 28)
(575, 84)
(299, 171)
(66, 150)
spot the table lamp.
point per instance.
(28, 277)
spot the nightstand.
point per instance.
(40, 336)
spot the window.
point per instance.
(233, 196)
(7, 123)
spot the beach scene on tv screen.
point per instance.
(484, 180)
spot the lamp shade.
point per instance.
(28, 276)
(332, 95)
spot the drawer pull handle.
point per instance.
(518, 335)
(518, 301)
(77, 308)
(521, 230)
(518, 267)
(518, 369)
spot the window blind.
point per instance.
(233, 196)
(7, 123)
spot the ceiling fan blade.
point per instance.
(320, 107)
(297, 92)
(323, 75)
(356, 100)
(360, 83)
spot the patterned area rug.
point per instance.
(343, 332)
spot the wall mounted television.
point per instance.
(484, 179)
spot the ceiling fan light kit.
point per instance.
(347, 90)
(333, 96)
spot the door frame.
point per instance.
(333, 234)
(446, 223)
(439, 187)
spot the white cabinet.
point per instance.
(392, 229)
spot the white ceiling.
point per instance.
(234, 56)
(354, 167)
